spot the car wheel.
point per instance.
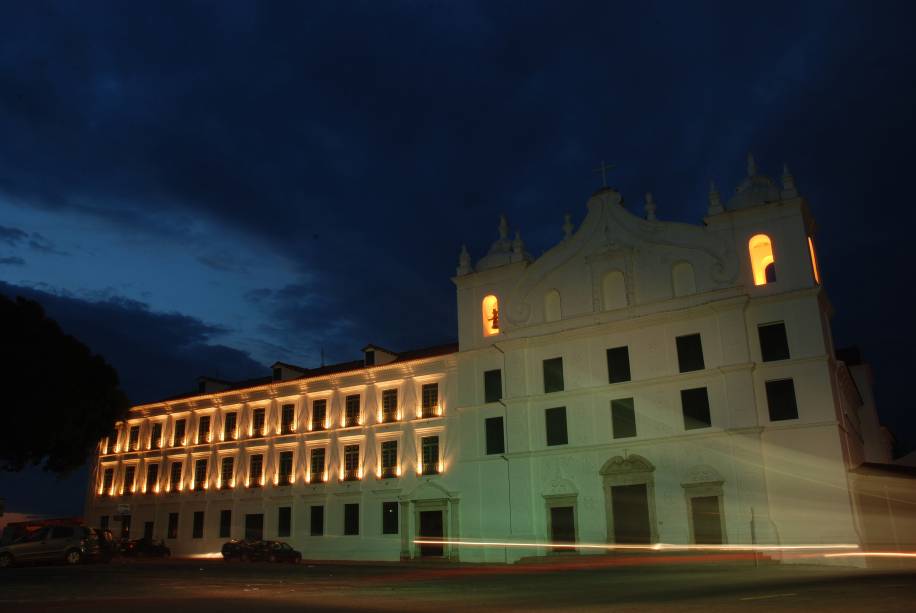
(73, 557)
(6, 560)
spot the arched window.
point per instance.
(490, 306)
(817, 275)
(763, 264)
(552, 308)
(683, 279)
(614, 290)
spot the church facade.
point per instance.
(641, 382)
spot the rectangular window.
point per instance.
(689, 353)
(316, 520)
(351, 519)
(618, 364)
(351, 462)
(556, 426)
(285, 470)
(430, 448)
(695, 404)
(430, 399)
(493, 385)
(225, 523)
(134, 438)
(781, 399)
(129, 474)
(107, 480)
(111, 443)
(200, 473)
(351, 415)
(173, 526)
(496, 441)
(227, 472)
(178, 434)
(623, 418)
(389, 518)
(284, 521)
(257, 422)
(553, 375)
(319, 413)
(125, 527)
(203, 430)
(175, 477)
(287, 415)
(155, 437)
(229, 423)
(774, 344)
(389, 405)
(255, 470)
(389, 452)
(197, 531)
(152, 477)
(316, 464)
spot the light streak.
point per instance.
(652, 547)
(872, 554)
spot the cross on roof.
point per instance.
(603, 170)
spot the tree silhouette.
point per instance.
(57, 399)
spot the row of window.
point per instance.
(350, 469)
(318, 420)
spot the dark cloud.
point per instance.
(12, 261)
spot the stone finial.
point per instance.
(503, 227)
(650, 207)
(464, 262)
(751, 165)
(715, 203)
(518, 247)
(788, 183)
(567, 226)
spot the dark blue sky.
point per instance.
(208, 187)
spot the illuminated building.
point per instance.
(640, 382)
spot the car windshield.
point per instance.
(282, 546)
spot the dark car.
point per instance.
(278, 551)
(244, 550)
(59, 543)
(251, 550)
(145, 547)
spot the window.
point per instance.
(351, 462)
(553, 375)
(284, 521)
(316, 464)
(490, 307)
(203, 429)
(492, 385)
(316, 520)
(175, 477)
(763, 264)
(430, 449)
(389, 518)
(430, 399)
(319, 413)
(496, 442)
(389, 405)
(614, 290)
(695, 405)
(129, 474)
(552, 306)
(152, 477)
(351, 411)
(200, 474)
(155, 438)
(287, 415)
(255, 470)
(197, 530)
(173, 526)
(107, 480)
(62, 532)
(623, 418)
(351, 519)
(227, 472)
(781, 399)
(689, 353)
(389, 453)
(683, 279)
(103, 522)
(257, 422)
(556, 426)
(134, 438)
(285, 470)
(178, 434)
(125, 527)
(225, 523)
(229, 423)
(817, 275)
(618, 364)
(774, 344)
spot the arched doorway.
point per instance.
(629, 493)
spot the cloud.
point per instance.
(12, 261)
(12, 236)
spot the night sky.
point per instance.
(207, 187)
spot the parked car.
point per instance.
(251, 550)
(145, 547)
(278, 551)
(238, 549)
(70, 544)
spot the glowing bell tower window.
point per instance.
(762, 262)
(490, 315)
(817, 275)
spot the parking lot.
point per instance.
(214, 585)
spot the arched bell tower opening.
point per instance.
(490, 315)
(763, 263)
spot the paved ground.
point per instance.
(565, 585)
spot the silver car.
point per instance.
(70, 544)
